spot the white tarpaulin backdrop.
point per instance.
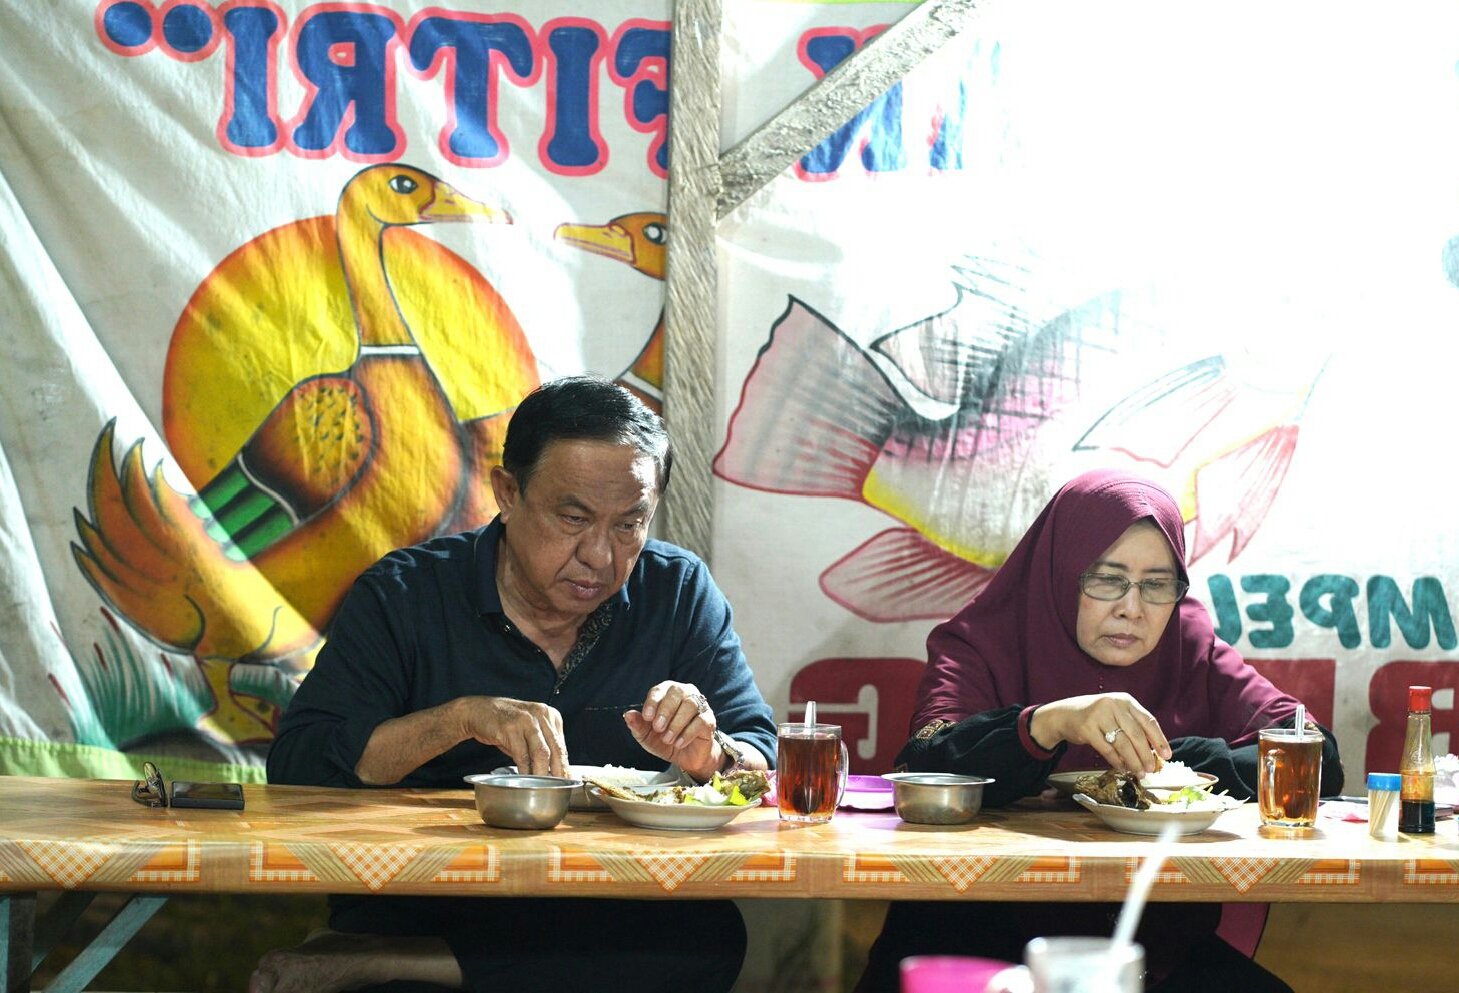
(1213, 248)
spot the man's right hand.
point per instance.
(530, 733)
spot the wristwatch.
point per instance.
(732, 755)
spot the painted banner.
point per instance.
(273, 276)
(1216, 251)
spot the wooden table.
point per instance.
(68, 834)
(87, 836)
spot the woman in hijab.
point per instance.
(1084, 652)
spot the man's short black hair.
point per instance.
(583, 408)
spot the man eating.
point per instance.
(557, 632)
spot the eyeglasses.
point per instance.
(152, 790)
(1103, 586)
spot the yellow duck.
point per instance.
(346, 467)
(640, 240)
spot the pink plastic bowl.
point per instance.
(948, 973)
(867, 793)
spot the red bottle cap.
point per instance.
(1420, 699)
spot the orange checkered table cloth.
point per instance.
(69, 834)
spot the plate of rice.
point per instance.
(685, 807)
(1170, 776)
(1174, 776)
(584, 799)
(1190, 810)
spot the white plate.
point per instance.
(671, 816)
(1153, 820)
(1063, 782)
(583, 797)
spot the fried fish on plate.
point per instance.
(1116, 789)
(741, 788)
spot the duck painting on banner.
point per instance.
(367, 449)
(394, 225)
(362, 453)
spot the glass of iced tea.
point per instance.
(810, 771)
(1288, 776)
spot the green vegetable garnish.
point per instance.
(730, 791)
(1188, 795)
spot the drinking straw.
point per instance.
(1301, 722)
(1139, 890)
(810, 714)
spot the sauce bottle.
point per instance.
(1416, 797)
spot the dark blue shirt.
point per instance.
(424, 625)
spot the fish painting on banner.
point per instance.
(355, 277)
(1026, 260)
(962, 483)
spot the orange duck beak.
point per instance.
(450, 204)
(605, 239)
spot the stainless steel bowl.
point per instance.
(937, 797)
(525, 802)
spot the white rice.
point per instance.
(615, 775)
(1171, 776)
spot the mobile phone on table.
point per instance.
(219, 796)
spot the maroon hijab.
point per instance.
(1015, 644)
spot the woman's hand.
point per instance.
(1096, 719)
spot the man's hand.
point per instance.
(677, 724)
(531, 733)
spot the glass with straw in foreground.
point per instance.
(1089, 964)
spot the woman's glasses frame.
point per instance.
(1100, 586)
(150, 791)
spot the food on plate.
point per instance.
(1189, 798)
(738, 789)
(1117, 789)
(1171, 775)
(1124, 789)
(618, 775)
